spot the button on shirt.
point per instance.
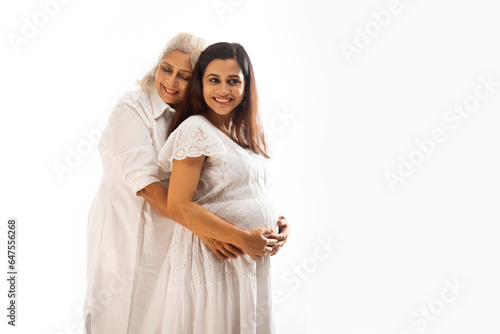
(126, 238)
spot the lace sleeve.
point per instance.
(193, 138)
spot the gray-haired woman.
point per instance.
(128, 233)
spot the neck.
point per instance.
(222, 122)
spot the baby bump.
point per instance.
(246, 213)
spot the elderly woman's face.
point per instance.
(172, 76)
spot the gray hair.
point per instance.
(184, 42)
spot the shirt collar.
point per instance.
(159, 106)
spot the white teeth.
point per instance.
(222, 100)
(170, 91)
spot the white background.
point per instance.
(362, 258)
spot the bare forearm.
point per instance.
(156, 195)
(202, 222)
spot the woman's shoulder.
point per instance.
(196, 120)
(195, 136)
(197, 123)
(196, 130)
(133, 98)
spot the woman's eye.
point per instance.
(184, 78)
(234, 82)
(213, 80)
(167, 70)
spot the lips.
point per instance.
(169, 91)
(222, 100)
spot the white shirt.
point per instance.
(126, 238)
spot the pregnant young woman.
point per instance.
(216, 155)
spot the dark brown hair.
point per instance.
(246, 126)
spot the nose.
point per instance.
(172, 80)
(224, 89)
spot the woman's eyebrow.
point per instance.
(230, 76)
(175, 67)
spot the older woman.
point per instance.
(128, 234)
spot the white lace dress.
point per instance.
(206, 294)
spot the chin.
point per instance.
(170, 100)
(221, 113)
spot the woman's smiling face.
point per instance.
(172, 76)
(223, 85)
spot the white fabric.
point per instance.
(206, 294)
(126, 238)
